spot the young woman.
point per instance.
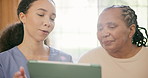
(37, 18)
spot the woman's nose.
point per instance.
(47, 22)
(105, 33)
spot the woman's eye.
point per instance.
(100, 28)
(40, 15)
(112, 26)
(52, 19)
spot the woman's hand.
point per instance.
(20, 73)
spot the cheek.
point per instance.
(121, 35)
(34, 20)
(52, 24)
(32, 24)
(99, 36)
(52, 27)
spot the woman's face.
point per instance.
(39, 20)
(112, 31)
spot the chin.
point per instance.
(41, 39)
(109, 48)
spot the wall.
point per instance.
(8, 12)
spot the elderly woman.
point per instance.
(123, 53)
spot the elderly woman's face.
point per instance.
(112, 31)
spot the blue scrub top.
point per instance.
(11, 60)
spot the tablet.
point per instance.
(49, 69)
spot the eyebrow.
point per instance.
(45, 11)
(110, 23)
(42, 9)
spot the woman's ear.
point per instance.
(22, 17)
(132, 30)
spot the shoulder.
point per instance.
(6, 57)
(144, 50)
(10, 55)
(7, 54)
(62, 56)
(10, 61)
(94, 52)
(92, 55)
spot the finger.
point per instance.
(22, 71)
(17, 75)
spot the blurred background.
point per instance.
(76, 22)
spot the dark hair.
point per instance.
(130, 18)
(14, 34)
(24, 5)
(11, 36)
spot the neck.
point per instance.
(34, 49)
(126, 52)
